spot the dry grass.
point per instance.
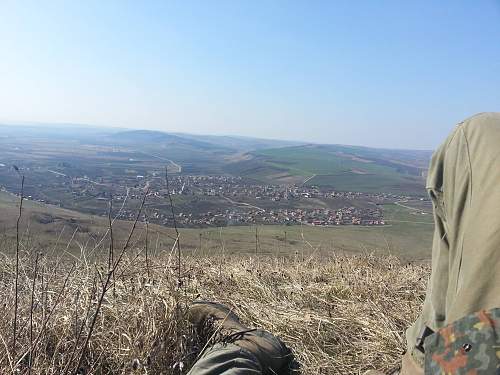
(340, 315)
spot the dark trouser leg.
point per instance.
(227, 359)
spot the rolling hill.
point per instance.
(340, 167)
(345, 168)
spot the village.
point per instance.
(228, 200)
(315, 217)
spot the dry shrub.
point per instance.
(340, 315)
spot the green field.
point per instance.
(338, 167)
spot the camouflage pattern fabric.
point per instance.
(469, 346)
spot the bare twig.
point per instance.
(223, 250)
(179, 274)
(146, 248)
(48, 317)
(78, 333)
(111, 255)
(106, 284)
(16, 288)
(174, 220)
(9, 357)
(111, 244)
(35, 274)
(256, 240)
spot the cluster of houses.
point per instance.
(289, 216)
(234, 189)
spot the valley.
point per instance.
(82, 175)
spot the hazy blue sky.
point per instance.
(378, 73)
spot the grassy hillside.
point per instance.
(339, 167)
(407, 235)
(106, 153)
(239, 144)
(339, 315)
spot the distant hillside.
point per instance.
(232, 143)
(242, 144)
(99, 135)
(72, 132)
(91, 151)
(152, 137)
(145, 136)
(340, 167)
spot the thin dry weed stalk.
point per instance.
(146, 240)
(105, 284)
(32, 307)
(178, 307)
(16, 282)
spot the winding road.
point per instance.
(242, 203)
(178, 166)
(309, 179)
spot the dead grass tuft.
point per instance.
(340, 315)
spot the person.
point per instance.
(240, 350)
(458, 331)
